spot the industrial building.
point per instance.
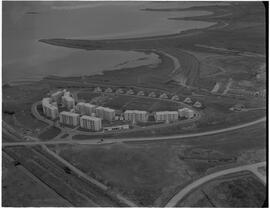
(91, 123)
(167, 116)
(69, 118)
(186, 113)
(136, 115)
(86, 108)
(105, 113)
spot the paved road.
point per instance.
(180, 195)
(97, 141)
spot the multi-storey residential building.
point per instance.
(91, 123)
(105, 113)
(119, 91)
(136, 115)
(197, 104)
(167, 116)
(85, 108)
(56, 97)
(49, 110)
(186, 113)
(68, 102)
(68, 118)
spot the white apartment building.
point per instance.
(68, 118)
(49, 110)
(91, 123)
(167, 116)
(68, 102)
(175, 97)
(105, 113)
(186, 113)
(56, 97)
(85, 108)
(136, 115)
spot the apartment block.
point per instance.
(85, 108)
(105, 113)
(167, 116)
(136, 115)
(91, 123)
(68, 118)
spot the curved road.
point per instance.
(252, 168)
(97, 141)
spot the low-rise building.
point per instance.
(130, 92)
(188, 100)
(108, 90)
(118, 127)
(119, 91)
(105, 113)
(140, 93)
(69, 118)
(91, 123)
(136, 115)
(175, 97)
(97, 89)
(152, 94)
(186, 113)
(167, 116)
(85, 108)
(163, 96)
(197, 104)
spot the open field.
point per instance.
(50, 133)
(125, 102)
(234, 190)
(151, 172)
(21, 188)
(75, 190)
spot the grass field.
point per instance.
(50, 133)
(125, 102)
(235, 190)
(19, 189)
(150, 172)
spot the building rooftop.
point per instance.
(69, 113)
(91, 118)
(166, 112)
(135, 111)
(105, 108)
